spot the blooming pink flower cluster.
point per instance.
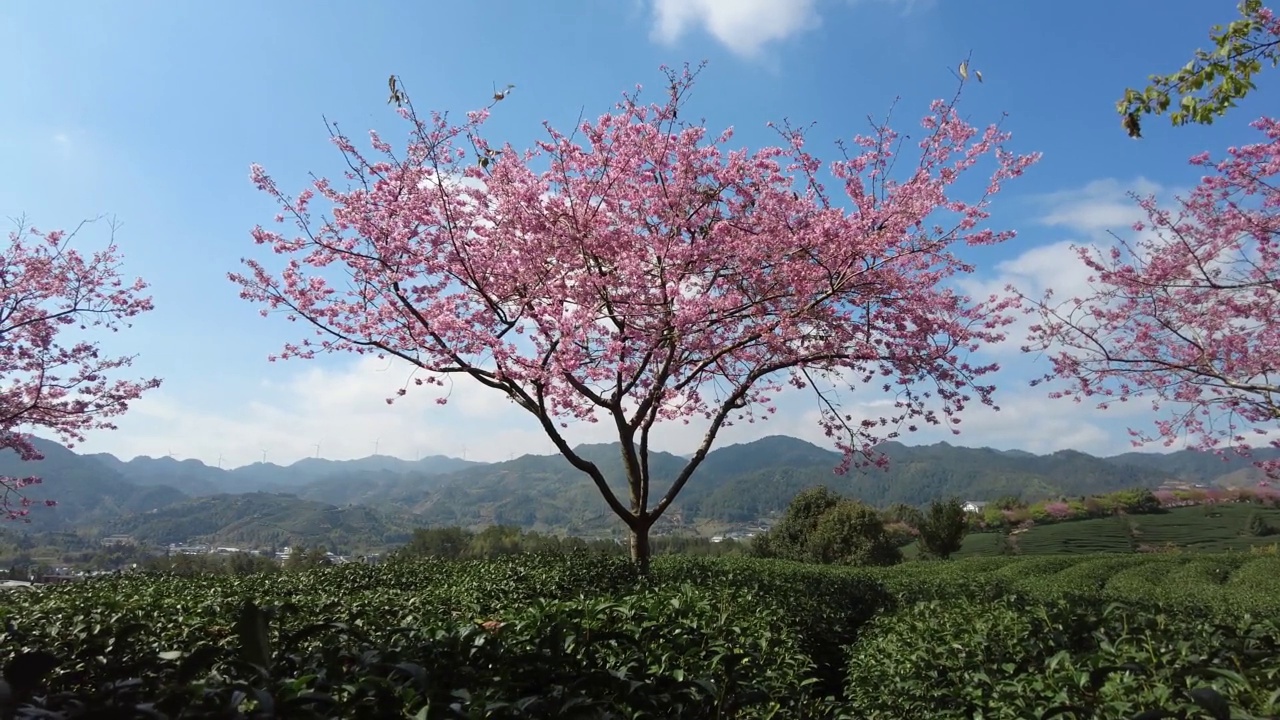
(1058, 510)
(1207, 266)
(49, 383)
(639, 269)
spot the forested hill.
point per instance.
(751, 480)
(735, 483)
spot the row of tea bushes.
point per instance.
(544, 637)
(1016, 658)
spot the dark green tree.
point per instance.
(789, 537)
(303, 558)
(449, 543)
(497, 540)
(318, 557)
(1007, 502)
(820, 526)
(943, 529)
(903, 513)
(852, 533)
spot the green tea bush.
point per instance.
(1030, 570)
(1260, 574)
(970, 577)
(826, 606)
(431, 639)
(1024, 658)
(554, 636)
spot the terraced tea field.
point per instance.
(1217, 528)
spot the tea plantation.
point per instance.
(583, 637)
(1206, 528)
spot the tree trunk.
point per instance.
(640, 550)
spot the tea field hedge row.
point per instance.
(1214, 528)
(584, 637)
(1225, 585)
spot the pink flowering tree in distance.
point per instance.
(52, 376)
(1188, 314)
(647, 273)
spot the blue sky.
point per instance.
(153, 112)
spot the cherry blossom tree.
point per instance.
(1188, 315)
(639, 271)
(49, 291)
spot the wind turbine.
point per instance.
(219, 461)
(317, 451)
(376, 443)
(264, 457)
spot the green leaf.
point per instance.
(254, 634)
(197, 661)
(1212, 701)
(1059, 710)
(26, 670)
(1098, 676)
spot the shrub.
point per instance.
(1258, 526)
(942, 529)
(820, 526)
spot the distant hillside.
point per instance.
(87, 492)
(735, 483)
(265, 520)
(195, 478)
(94, 490)
(541, 492)
(751, 480)
(1201, 467)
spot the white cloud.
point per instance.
(62, 144)
(1098, 207)
(1085, 217)
(1028, 420)
(345, 412)
(1056, 266)
(743, 26)
(342, 410)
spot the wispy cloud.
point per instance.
(344, 410)
(1101, 206)
(743, 26)
(62, 144)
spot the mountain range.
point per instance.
(379, 499)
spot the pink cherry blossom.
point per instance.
(48, 382)
(641, 270)
(1058, 510)
(1185, 317)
